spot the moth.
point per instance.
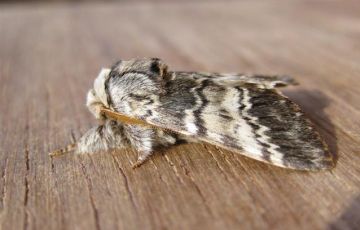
(142, 104)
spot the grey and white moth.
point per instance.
(143, 105)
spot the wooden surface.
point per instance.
(50, 54)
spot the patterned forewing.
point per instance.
(255, 121)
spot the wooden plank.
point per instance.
(49, 56)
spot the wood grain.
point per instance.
(50, 54)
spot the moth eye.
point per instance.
(155, 67)
(112, 73)
(158, 67)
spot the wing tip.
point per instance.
(286, 80)
(320, 164)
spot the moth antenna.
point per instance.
(123, 118)
(63, 151)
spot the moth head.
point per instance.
(153, 67)
(97, 97)
(147, 72)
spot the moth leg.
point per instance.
(142, 157)
(67, 149)
(109, 135)
(143, 139)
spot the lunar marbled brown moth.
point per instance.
(143, 105)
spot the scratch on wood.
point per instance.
(52, 165)
(3, 191)
(97, 172)
(227, 160)
(128, 190)
(53, 172)
(157, 170)
(47, 111)
(27, 170)
(26, 184)
(93, 206)
(241, 163)
(174, 168)
(217, 163)
(222, 154)
(4, 194)
(236, 159)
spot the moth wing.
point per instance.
(255, 121)
(235, 79)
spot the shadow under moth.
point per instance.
(143, 105)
